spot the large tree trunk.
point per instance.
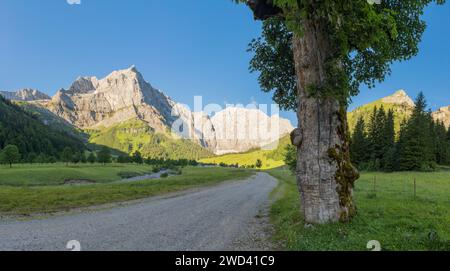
(324, 172)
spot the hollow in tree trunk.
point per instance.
(325, 174)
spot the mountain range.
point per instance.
(402, 106)
(125, 112)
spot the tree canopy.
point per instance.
(10, 155)
(366, 39)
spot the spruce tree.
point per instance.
(441, 144)
(315, 62)
(359, 144)
(376, 138)
(417, 145)
(389, 163)
(448, 147)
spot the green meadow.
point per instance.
(388, 211)
(58, 174)
(50, 196)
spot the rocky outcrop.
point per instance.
(26, 95)
(399, 98)
(239, 129)
(95, 104)
(443, 114)
(91, 103)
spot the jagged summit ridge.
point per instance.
(443, 114)
(124, 95)
(240, 129)
(25, 94)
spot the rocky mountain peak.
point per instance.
(240, 129)
(400, 97)
(26, 95)
(83, 85)
(443, 114)
(124, 95)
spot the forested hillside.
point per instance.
(31, 136)
(399, 103)
(420, 144)
(136, 135)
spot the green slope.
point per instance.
(274, 158)
(51, 119)
(30, 135)
(136, 135)
(270, 158)
(401, 112)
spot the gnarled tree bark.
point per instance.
(324, 172)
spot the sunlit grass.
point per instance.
(48, 199)
(388, 212)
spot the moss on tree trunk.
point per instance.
(325, 174)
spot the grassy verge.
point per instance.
(387, 212)
(48, 199)
(57, 174)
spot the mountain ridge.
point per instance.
(402, 105)
(26, 94)
(124, 95)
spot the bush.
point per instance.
(165, 175)
(127, 175)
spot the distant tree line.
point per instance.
(138, 158)
(421, 144)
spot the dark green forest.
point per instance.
(421, 144)
(31, 136)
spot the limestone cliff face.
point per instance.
(443, 114)
(239, 130)
(92, 103)
(26, 95)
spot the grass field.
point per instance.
(246, 159)
(57, 174)
(387, 212)
(47, 199)
(271, 158)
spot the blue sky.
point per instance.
(185, 48)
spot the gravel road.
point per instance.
(222, 217)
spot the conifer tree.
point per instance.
(417, 150)
(441, 144)
(359, 144)
(376, 137)
(315, 55)
(389, 163)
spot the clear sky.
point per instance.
(184, 48)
